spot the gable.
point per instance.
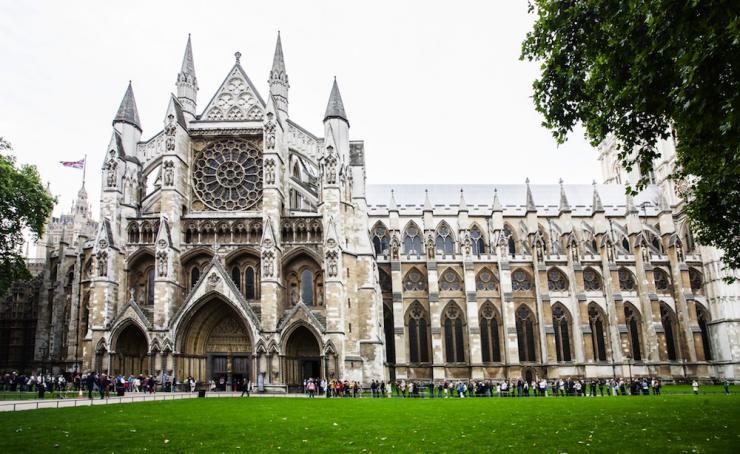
(235, 100)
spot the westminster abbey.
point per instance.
(235, 243)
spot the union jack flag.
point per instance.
(74, 164)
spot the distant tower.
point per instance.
(279, 80)
(187, 83)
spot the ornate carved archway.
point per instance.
(215, 344)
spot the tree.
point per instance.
(648, 70)
(25, 206)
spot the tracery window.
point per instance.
(489, 332)
(597, 322)
(454, 336)
(525, 334)
(560, 324)
(668, 320)
(626, 245)
(414, 281)
(418, 338)
(412, 243)
(476, 237)
(632, 319)
(556, 281)
(510, 242)
(486, 281)
(250, 291)
(520, 281)
(695, 280)
(702, 318)
(236, 277)
(444, 243)
(307, 287)
(591, 280)
(626, 280)
(450, 281)
(227, 175)
(380, 240)
(194, 276)
(661, 280)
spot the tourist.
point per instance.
(91, 380)
(245, 387)
(726, 384)
(695, 386)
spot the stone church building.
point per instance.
(235, 243)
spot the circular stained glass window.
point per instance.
(227, 175)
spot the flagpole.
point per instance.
(84, 170)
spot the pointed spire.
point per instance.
(427, 202)
(279, 79)
(564, 205)
(596, 206)
(127, 112)
(530, 200)
(629, 201)
(187, 84)
(335, 107)
(392, 206)
(496, 202)
(332, 237)
(462, 206)
(278, 61)
(188, 64)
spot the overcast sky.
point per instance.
(436, 89)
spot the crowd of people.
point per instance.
(103, 385)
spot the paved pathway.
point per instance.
(18, 405)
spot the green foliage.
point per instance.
(569, 424)
(645, 70)
(25, 206)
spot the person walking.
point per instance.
(91, 379)
(245, 386)
(727, 386)
(695, 386)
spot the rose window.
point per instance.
(227, 175)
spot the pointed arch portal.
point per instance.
(302, 357)
(130, 349)
(215, 345)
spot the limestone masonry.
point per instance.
(236, 243)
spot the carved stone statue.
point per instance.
(430, 246)
(540, 249)
(332, 260)
(270, 132)
(269, 171)
(168, 176)
(162, 263)
(395, 246)
(645, 252)
(330, 165)
(268, 264)
(102, 257)
(467, 244)
(111, 175)
(169, 130)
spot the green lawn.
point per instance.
(678, 423)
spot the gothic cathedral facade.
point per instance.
(235, 243)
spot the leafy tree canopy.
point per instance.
(25, 206)
(645, 70)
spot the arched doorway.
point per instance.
(302, 358)
(215, 345)
(131, 356)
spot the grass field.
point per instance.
(677, 423)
